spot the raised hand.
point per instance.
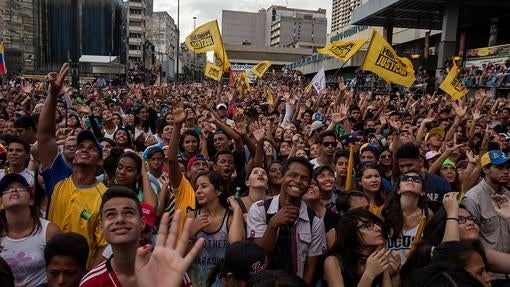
(180, 114)
(83, 109)
(501, 205)
(476, 115)
(56, 80)
(167, 264)
(459, 109)
(451, 204)
(259, 134)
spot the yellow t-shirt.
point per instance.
(72, 208)
(184, 196)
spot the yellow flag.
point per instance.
(342, 50)
(350, 167)
(204, 38)
(453, 84)
(261, 68)
(382, 60)
(308, 88)
(270, 97)
(243, 82)
(212, 71)
(221, 58)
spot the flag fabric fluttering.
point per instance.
(207, 38)
(382, 60)
(350, 167)
(212, 71)
(3, 67)
(319, 80)
(342, 50)
(261, 68)
(453, 84)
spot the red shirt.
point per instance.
(104, 276)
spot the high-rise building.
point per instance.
(276, 26)
(342, 13)
(239, 27)
(164, 38)
(291, 27)
(136, 29)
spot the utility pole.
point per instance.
(194, 54)
(75, 44)
(178, 40)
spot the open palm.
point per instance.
(167, 264)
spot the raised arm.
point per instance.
(175, 176)
(47, 127)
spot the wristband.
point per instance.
(452, 218)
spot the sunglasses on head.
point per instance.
(415, 178)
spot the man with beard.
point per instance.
(289, 231)
(74, 192)
(479, 201)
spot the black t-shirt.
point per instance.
(435, 187)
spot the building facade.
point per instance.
(19, 30)
(191, 65)
(164, 38)
(287, 26)
(137, 14)
(239, 27)
(341, 13)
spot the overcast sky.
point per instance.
(208, 10)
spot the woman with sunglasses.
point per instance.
(358, 257)
(368, 177)
(405, 214)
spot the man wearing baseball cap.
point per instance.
(434, 138)
(479, 201)
(73, 192)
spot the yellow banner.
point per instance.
(453, 84)
(221, 58)
(342, 50)
(243, 82)
(308, 88)
(261, 68)
(350, 167)
(205, 38)
(270, 97)
(382, 60)
(212, 71)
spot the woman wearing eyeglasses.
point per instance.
(405, 214)
(23, 234)
(368, 177)
(455, 223)
(358, 257)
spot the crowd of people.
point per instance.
(207, 184)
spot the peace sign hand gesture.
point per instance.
(56, 80)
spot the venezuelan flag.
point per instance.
(3, 68)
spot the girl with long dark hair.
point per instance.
(358, 257)
(23, 234)
(405, 214)
(215, 222)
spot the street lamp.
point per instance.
(194, 54)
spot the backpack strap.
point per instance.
(267, 203)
